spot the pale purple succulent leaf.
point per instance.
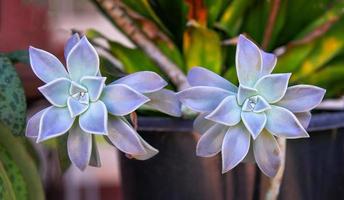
(227, 112)
(82, 60)
(210, 142)
(165, 101)
(236, 144)
(121, 100)
(248, 62)
(261, 105)
(283, 123)
(203, 98)
(150, 150)
(143, 82)
(56, 91)
(76, 88)
(94, 120)
(54, 122)
(268, 63)
(71, 42)
(254, 122)
(75, 107)
(244, 93)
(32, 127)
(124, 137)
(95, 157)
(199, 76)
(79, 147)
(302, 98)
(94, 85)
(201, 125)
(304, 118)
(45, 65)
(267, 153)
(273, 87)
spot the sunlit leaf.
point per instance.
(202, 47)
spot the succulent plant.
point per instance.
(262, 107)
(83, 105)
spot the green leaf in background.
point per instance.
(21, 56)
(62, 152)
(12, 98)
(173, 15)
(214, 9)
(231, 18)
(202, 47)
(6, 190)
(16, 152)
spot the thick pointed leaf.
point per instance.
(72, 41)
(254, 122)
(236, 144)
(75, 107)
(227, 112)
(283, 123)
(55, 121)
(82, 60)
(95, 119)
(165, 101)
(244, 93)
(79, 146)
(267, 153)
(248, 61)
(304, 118)
(302, 98)
(211, 141)
(273, 87)
(56, 91)
(203, 98)
(143, 82)
(94, 85)
(121, 100)
(33, 124)
(45, 65)
(201, 125)
(199, 76)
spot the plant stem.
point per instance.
(120, 17)
(272, 193)
(271, 23)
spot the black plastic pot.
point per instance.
(314, 166)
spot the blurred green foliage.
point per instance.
(307, 36)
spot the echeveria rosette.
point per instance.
(83, 105)
(261, 108)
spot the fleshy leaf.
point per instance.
(94, 85)
(227, 113)
(267, 153)
(199, 76)
(304, 118)
(72, 41)
(210, 142)
(56, 91)
(236, 144)
(124, 137)
(269, 62)
(165, 101)
(143, 82)
(121, 100)
(32, 127)
(201, 125)
(301, 98)
(79, 145)
(273, 87)
(254, 122)
(95, 119)
(261, 105)
(82, 60)
(248, 62)
(281, 122)
(203, 98)
(55, 121)
(75, 107)
(45, 65)
(244, 93)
